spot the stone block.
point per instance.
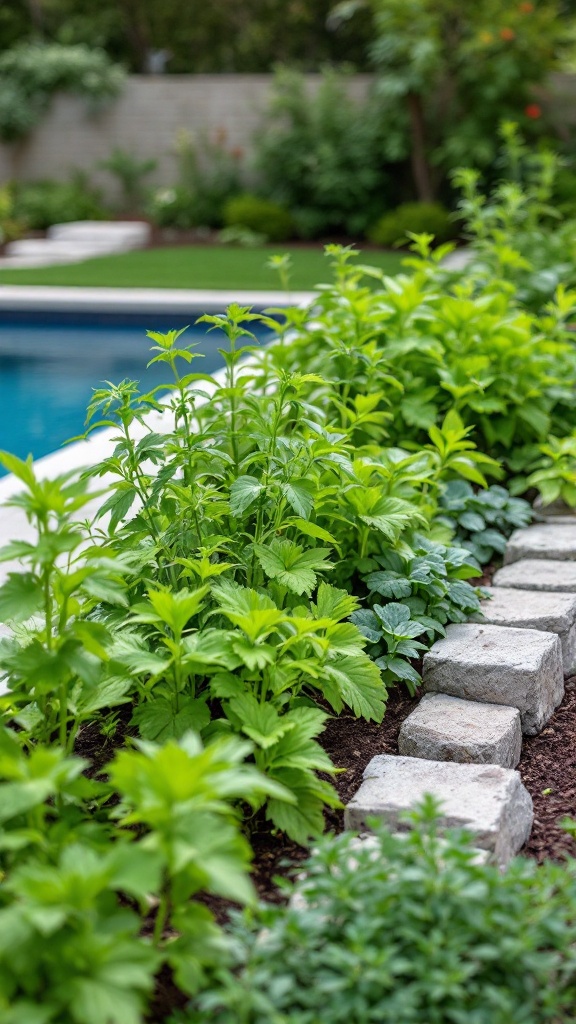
(444, 728)
(133, 234)
(537, 574)
(521, 668)
(487, 800)
(543, 540)
(535, 609)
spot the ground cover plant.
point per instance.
(259, 551)
(405, 928)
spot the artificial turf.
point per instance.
(194, 266)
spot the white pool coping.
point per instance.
(45, 298)
(82, 454)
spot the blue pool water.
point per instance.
(49, 368)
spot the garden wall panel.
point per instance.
(146, 120)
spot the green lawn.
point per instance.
(194, 266)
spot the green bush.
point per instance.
(409, 929)
(43, 203)
(432, 218)
(259, 215)
(31, 73)
(323, 156)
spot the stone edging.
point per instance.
(485, 684)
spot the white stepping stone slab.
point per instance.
(487, 800)
(44, 247)
(535, 609)
(521, 668)
(537, 574)
(444, 728)
(544, 540)
(133, 234)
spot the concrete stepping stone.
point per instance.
(487, 800)
(521, 668)
(537, 574)
(444, 728)
(543, 540)
(126, 234)
(535, 609)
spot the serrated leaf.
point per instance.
(312, 530)
(360, 685)
(261, 722)
(159, 720)
(388, 584)
(295, 569)
(20, 597)
(300, 496)
(244, 492)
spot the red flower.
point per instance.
(507, 34)
(533, 111)
(526, 8)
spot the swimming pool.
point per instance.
(50, 363)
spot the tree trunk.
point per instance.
(418, 158)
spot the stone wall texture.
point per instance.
(146, 120)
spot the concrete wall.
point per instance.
(145, 119)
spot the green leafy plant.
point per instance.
(31, 73)
(422, 591)
(77, 890)
(483, 520)
(323, 159)
(129, 173)
(405, 928)
(58, 670)
(554, 474)
(457, 71)
(393, 228)
(40, 204)
(265, 218)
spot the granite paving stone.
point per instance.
(521, 668)
(445, 728)
(487, 800)
(550, 611)
(543, 540)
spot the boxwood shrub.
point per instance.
(407, 929)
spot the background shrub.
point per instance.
(43, 203)
(431, 218)
(259, 215)
(324, 158)
(409, 930)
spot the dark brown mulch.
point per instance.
(548, 770)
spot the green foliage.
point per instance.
(11, 227)
(77, 893)
(394, 228)
(433, 342)
(515, 232)
(459, 69)
(31, 73)
(554, 473)
(40, 204)
(422, 591)
(406, 928)
(484, 519)
(222, 37)
(321, 157)
(209, 175)
(267, 219)
(129, 173)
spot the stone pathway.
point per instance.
(77, 241)
(486, 683)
